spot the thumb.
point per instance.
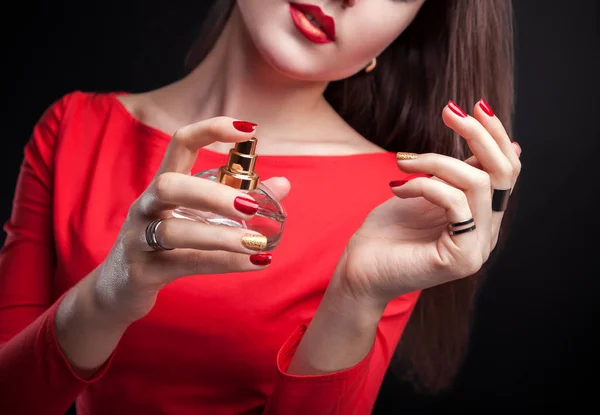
(279, 186)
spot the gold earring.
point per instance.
(371, 66)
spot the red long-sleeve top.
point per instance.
(213, 344)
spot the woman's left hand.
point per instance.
(406, 244)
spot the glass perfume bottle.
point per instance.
(239, 173)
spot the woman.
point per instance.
(93, 305)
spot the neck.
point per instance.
(234, 80)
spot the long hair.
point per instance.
(454, 49)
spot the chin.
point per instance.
(291, 58)
(296, 66)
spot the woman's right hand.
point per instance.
(133, 273)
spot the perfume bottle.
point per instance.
(239, 173)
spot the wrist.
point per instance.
(116, 301)
(341, 333)
(361, 308)
(99, 306)
(86, 334)
(350, 295)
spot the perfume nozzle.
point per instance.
(246, 147)
(239, 170)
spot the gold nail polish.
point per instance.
(406, 156)
(254, 242)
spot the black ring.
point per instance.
(472, 228)
(500, 199)
(151, 236)
(464, 222)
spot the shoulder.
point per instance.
(88, 114)
(79, 122)
(55, 118)
(77, 104)
(97, 104)
(60, 121)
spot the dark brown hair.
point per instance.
(454, 49)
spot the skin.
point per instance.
(264, 71)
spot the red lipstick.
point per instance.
(313, 23)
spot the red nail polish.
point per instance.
(409, 177)
(486, 107)
(398, 183)
(244, 126)
(261, 259)
(247, 206)
(456, 109)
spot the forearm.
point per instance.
(86, 332)
(340, 335)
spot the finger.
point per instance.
(475, 183)
(170, 190)
(279, 186)
(185, 143)
(496, 216)
(481, 144)
(177, 233)
(486, 117)
(171, 265)
(472, 161)
(452, 200)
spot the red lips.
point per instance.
(323, 34)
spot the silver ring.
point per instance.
(452, 227)
(151, 236)
(500, 199)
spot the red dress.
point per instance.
(213, 344)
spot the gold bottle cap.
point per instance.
(239, 170)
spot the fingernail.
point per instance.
(406, 156)
(247, 206)
(254, 242)
(261, 259)
(409, 177)
(486, 107)
(398, 183)
(520, 149)
(456, 109)
(244, 126)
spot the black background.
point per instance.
(536, 327)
